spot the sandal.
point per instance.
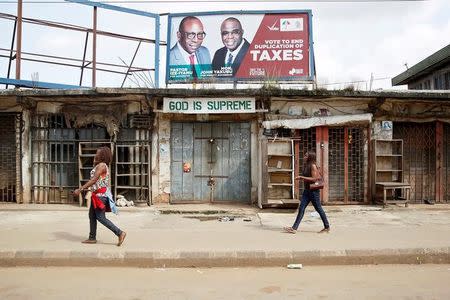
(327, 230)
(290, 230)
(89, 241)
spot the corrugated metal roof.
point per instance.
(424, 67)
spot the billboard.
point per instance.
(239, 47)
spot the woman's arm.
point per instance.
(315, 175)
(99, 170)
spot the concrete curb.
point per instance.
(259, 258)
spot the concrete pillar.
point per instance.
(161, 161)
(26, 156)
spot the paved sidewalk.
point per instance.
(193, 236)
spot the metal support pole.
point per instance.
(11, 50)
(94, 48)
(131, 63)
(157, 45)
(19, 38)
(84, 58)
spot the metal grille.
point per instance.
(446, 163)
(8, 158)
(56, 169)
(132, 165)
(419, 158)
(356, 141)
(307, 142)
(54, 160)
(336, 164)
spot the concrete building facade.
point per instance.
(232, 153)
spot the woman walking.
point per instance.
(310, 174)
(102, 199)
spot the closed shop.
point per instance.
(210, 162)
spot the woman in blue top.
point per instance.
(310, 174)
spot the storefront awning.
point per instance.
(319, 121)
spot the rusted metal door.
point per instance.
(419, 158)
(8, 157)
(336, 164)
(305, 141)
(210, 162)
(346, 172)
(343, 163)
(54, 160)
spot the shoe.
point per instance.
(327, 230)
(290, 230)
(89, 241)
(121, 238)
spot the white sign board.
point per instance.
(209, 105)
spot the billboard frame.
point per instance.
(312, 67)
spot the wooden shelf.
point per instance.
(279, 187)
(279, 184)
(272, 170)
(387, 180)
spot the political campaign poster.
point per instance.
(239, 47)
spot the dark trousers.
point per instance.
(312, 196)
(99, 214)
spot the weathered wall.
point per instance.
(163, 153)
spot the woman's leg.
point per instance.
(301, 210)
(318, 207)
(92, 223)
(101, 217)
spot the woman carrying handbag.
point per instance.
(313, 182)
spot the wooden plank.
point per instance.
(176, 182)
(187, 157)
(205, 158)
(197, 164)
(226, 154)
(217, 159)
(245, 160)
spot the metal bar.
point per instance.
(84, 57)
(133, 69)
(296, 165)
(40, 84)
(70, 65)
(19, 38)
(346, 129)
(157, 45)
(55, 162)
(116, 8)
(78, 28)
(325, 138)
(94, 48)
(131, 63)
(12, 49)
(439, 162)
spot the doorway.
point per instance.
(210, 162)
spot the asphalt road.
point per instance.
(326, 282)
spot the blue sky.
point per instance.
(352, 40)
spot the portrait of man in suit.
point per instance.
(188, 52)
(234, 50)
